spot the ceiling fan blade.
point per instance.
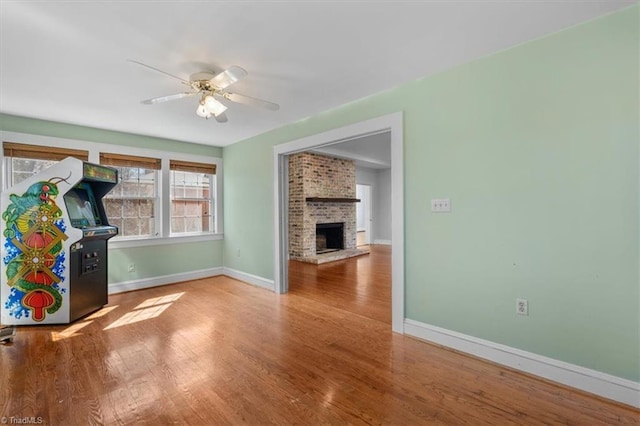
(229, 76)
(167, 98)
(248, 100)
(160, 71)
(221, 118)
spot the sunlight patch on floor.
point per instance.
(150, 308)
(137, 316)
(154, 301)
(102, 312)
(69, 331)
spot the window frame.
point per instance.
(40, 153)
(213, 178)
(157, 206)
(8, 175)
(163, 210)
(129, 161)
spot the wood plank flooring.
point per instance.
(360, 285)
(220, 352)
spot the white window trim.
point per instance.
(156, 208)
(164, 211)
(217, 218)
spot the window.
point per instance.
(23, 161)
(157, 197)
(131, 205)
(192, 197)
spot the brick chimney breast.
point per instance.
(314, 175)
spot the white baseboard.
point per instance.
(604, 385)
(383, 242)
(120, 287)
(249, 278)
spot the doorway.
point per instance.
(363, 215)
(392, 123)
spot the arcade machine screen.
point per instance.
(81, 207)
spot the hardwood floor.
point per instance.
(217, 351)
(360, 285)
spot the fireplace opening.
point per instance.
(329, 237)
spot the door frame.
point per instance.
(392, 123)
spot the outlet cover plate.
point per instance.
(441, 205)
(522, 307)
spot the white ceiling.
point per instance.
(371, 151)
(66, 61)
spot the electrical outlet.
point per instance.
(522, 307)
(132, 267)
(238, 253)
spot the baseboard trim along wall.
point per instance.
(383, 242)
(139, 284)
(249, 278)
(592, 381)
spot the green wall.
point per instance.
(12, 123)
(176, 258)
(537, 147)
(250, 218)
(166, 259)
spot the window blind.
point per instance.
(124, 160)
(190, 166)
(38, 152)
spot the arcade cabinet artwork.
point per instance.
(54, 244)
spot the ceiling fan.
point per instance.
(210, 86)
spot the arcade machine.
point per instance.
(54, 244)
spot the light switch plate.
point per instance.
(440, 205)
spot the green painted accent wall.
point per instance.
(537, 147)
(249, 191)
(166, 259)
(176, 258)
(13, 123)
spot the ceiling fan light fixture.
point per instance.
(207, 85)
(202, 111)
(214, 106)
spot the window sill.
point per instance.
(159, 241)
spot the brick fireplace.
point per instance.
(322, 192)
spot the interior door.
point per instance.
(363, 214)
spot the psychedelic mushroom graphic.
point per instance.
(37, 301)
(35, 261)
